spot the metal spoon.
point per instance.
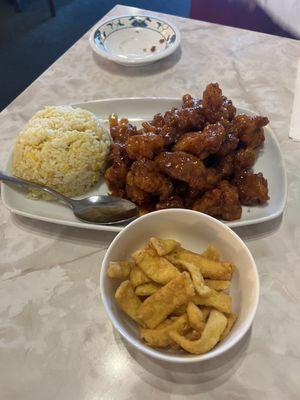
(100, 209)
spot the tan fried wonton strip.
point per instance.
(162, 303)
(192, 335)
(180, 310)
(119, 269)
(195, 317)
(217, 285)
(127, 300)
(197, 278)
(205, 312)
(163, 246)
(209, 268)
(231, 318)
(212, 253)
(210, 336)
(138, 277)
(219, 300)
(146, 289)
(159, 337)
(155, 267)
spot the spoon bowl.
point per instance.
(104, 209)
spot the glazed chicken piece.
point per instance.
(121, 130)
(244, 159)
(225, 166)
(204, 143)
(144, 145)
(176, 122)
(115, 175)
(147, 177)
(222, 202)
(231, 207)
(254, 139)
(171, 202)
(188, 101)
(155, 125)
(134, 193)
(158, 120)
(188, 168)
(229, 144)
(229, 107)
(210, 203)
(252, 188)
(216, 106)
(249, 129)
(185, 119)
(169, 134)
(116, 178)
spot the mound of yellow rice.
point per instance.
(62, 147)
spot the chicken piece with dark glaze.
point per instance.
(143, 145)
(244, 159)
(204, 143)
(188, 168)
(233, 162)
(222, 202)
(229, 144)
(215, 105)
(252, 188)
(225, 166)
(134, 193)
(115, 177)
(155, 124)
(115, 174)
(158, 126)
(188, 101)
(171, 202)
(229, 107)
(146, 176)
(177, 121)
(254, 139)
(185, 119)
(121, 130)
(231, 206)
(249, 129)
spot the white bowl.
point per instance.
(135, 40)
(195, 231)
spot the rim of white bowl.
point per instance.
(150, 58)
(188, 358)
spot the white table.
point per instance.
(56, 341)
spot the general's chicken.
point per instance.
(202, 143)
(188, 168)
(222, 202)
(198, 155)
(252, 188)
(146, 176)
(144, 145)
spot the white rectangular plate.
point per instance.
(269, 162)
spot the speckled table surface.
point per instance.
(55, 339)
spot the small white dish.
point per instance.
(269, 162)
(195, 231)
(135, 40)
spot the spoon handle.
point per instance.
(23, 182)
